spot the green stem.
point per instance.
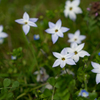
(33, 52)
(21, 95)
(53, 93)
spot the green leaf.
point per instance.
(52, 81)
(15, 84)
(6, 82)
(9, 95)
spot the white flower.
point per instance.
(2, 34)
(49, 86)
(71, 9)
(42, 76)
(67, 71)
(63, 59)
(77, 50)
(27, 22)
(56, 30)
(76, 37)
(96, 69)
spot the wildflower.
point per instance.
(67, 71)
(96, 69)
(27, 22)
(63, 59)
(76, 37)
(77, 50)
(56, 30)
(42, 76)
(71, 9)
(36, 37)
(13, 57)
(49, 86)
(99, 53)
(88, 9)
(2, 34)
(84, 93)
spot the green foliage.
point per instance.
(18, 80)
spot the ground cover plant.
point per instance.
(50, 50)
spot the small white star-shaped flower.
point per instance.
(96, 69)
(63, 59)
(42, 76)
(76, 37)
(71, 9)
(77, 50)
(2, 34)
(56, 30)
(27, 22)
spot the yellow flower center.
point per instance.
(63, 58)
(70, 8)
(75, 39)
(26, 22)
(84, 94)
(75, 52)
(56, 30)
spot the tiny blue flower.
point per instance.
(95, 99)
(36, 37)
(84, 93)
(13, 57)
(99, 53)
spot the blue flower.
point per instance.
(99, 53)
(13, 57)
(36, 37)
(84, 93)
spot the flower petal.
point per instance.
(76, 2)
(70, 62)
(60, 34)
(68, 3)
(95, 65)
(56, 63)
(80, 47)
(70, 35)
(77, 33)
(64, 51)
(73, 45)
(58, 24)
(1, 28)
(20, 21)
(57, 55)
(3, 35)
(33, 19)
(83, 53)
(69, 55)
(54, 38)
(25, 16)
(76, 58)
(72, 16)
(32, 24)
(96, 70)
(97, 78)
(64, 29)
(82, 37)
(26, 29)
(77, 10)
(66, 12)
(70, 50)
(50, 31)
(62, 64)
(51, 25)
